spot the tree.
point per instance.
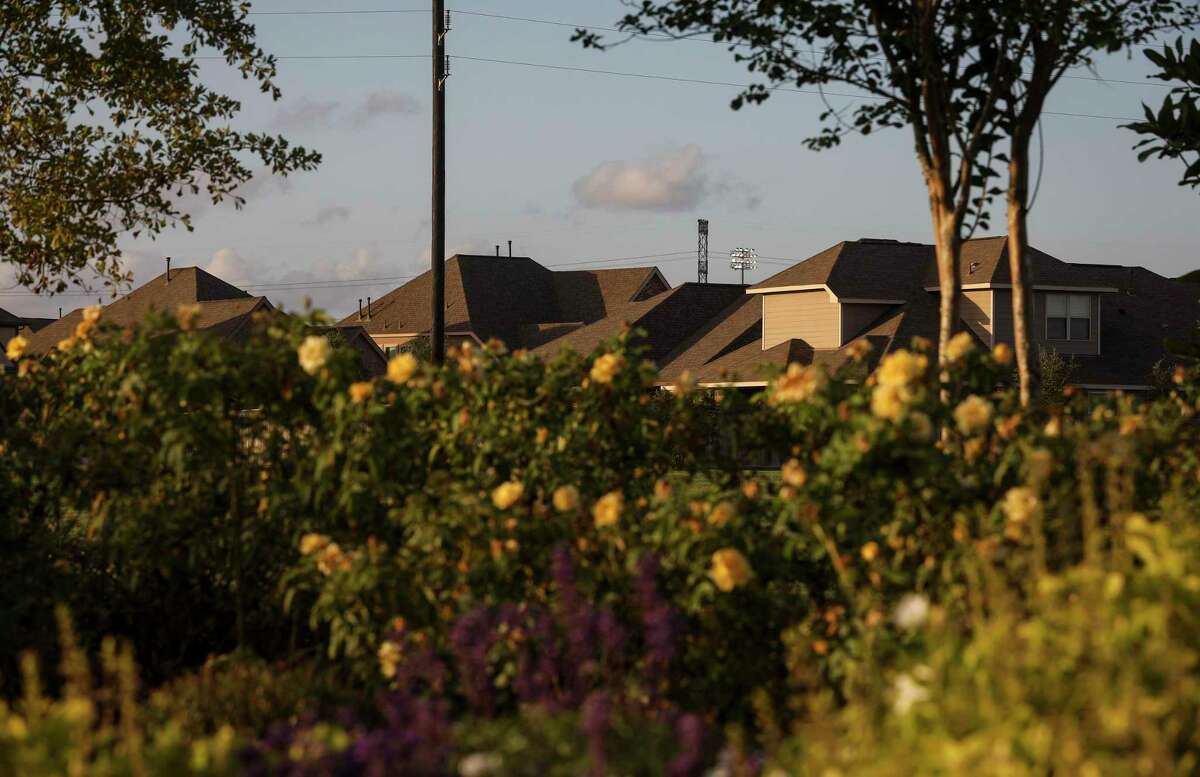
(937, 67)
(105, 124)
(1173, 131)
(1057, 36)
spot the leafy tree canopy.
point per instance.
(105, 124)
(1173, 131)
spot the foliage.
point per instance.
(1173, 131)
(508, 565)
(106, 125)
(1055, 372)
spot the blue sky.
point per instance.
(576, 166)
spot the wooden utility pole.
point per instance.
(437, 333)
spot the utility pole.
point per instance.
(441, 71)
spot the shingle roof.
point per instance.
(985, 260)
(506, 298)
(859, 269)
(668, 319)
(223, 308)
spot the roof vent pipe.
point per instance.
(360, 308)
(497, 250)
(510, 249)
(368, 308)
(168, 269)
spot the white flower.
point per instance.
(313, 353)
(480, 764)
(911, 611)
(907, 691)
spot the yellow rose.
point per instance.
(83, 329)
(566, 498)
(793, 473)
(973, 414)
(901, 368)
(888, 401)
(799, 384)
(16, 348)
(608, 508)
(65, 344)
(606, 367)
(730, 569)
(332, 559)
(722, 513)
(313, 353)
(92, 314)
(860, 349)
(959, 346)
(361, 391)
(507, 494)
(311, 543)
(870, 551)
(402, 367)
(389, 658)
(1020, 504)
(1002, 353)
(1130, 424)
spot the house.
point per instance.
(224, 309)
(11, 326)
(1111, 321)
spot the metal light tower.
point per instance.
(702, 253)
(743, 259)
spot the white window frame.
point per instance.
(1071, 300)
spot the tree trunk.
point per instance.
(1018, 259)
(948, 250)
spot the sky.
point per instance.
(583, 169)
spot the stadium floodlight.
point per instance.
(743, 259)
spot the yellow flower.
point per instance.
(507, 494)
(16, 348)
(959, 346)
(361, 391)
(860, 349)
(1002, 353)
(186, 316)
(606, 367)
(83, 329)
(1020, 504)
(793, 473)
(1053, 427)
(402, 367)
(92, 314)
(973, 414)
(722, 513)
(65, 344)
(901, 368)
(799, 384)
(1130, 424)
(566, 498)
(888, 401)
(729, 569)
(608, 508)
(332, 559)
(311, 543)
(389, 658)
(922, 343)
(870, 551)
(313, 353)
(662, 490)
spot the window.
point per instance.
(1068, 317)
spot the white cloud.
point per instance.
(228, 265)
(673, 180)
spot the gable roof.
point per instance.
(506, 298)
(224, 308)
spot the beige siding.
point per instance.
(856, 317)
(810, 316)
(976, 311)
(1066, 347)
